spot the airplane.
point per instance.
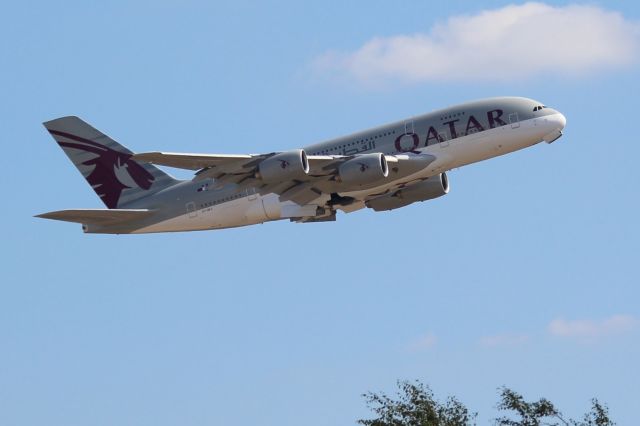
(383, 168)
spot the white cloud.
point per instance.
(504, 340)
(425, 342)
(512, 42)
(590, 329)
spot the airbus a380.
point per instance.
(383, 168)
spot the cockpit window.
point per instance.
(538, 107)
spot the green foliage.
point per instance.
(416, 406)
(528, 413)
(544, 413)
(598, 416)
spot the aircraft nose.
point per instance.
(556, 121)
(561, 120)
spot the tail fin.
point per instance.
(105, 164)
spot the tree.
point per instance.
(528, 413)
(544, 413)
(415, 405)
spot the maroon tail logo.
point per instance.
(113, 171)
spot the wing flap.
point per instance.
(302, 193)
(98, 216)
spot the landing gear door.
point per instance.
(251, 192)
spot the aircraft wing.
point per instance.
(223, 163)
(196, 161)
(241, 169)
(247, 170)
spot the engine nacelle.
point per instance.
(428, 189)
(363, 170)
(285, 166)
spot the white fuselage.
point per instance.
(249, 207)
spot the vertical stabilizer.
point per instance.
(105, 164)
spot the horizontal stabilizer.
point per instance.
(98, 216)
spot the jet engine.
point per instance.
(428, 189)
(363, 170)
(284, 166)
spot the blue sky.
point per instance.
(525, 274)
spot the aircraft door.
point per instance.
(191, 210)
(513, 120)
(408, 127)
(444, 139)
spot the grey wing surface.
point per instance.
(243, 169)
(321, 172)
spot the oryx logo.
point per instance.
(284, 164)
(112, 171)
(363, 167)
